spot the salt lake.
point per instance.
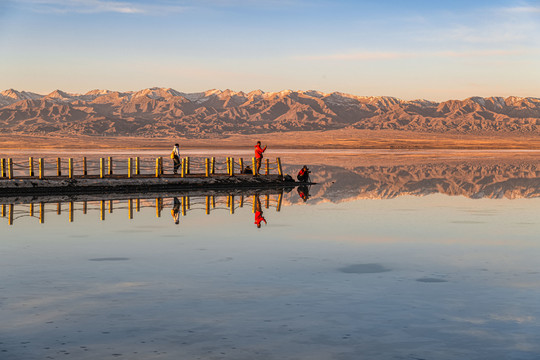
(392, 255)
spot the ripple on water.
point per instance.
(431, 280)
(109, 259)
(364, 269)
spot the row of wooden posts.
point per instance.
(210, 202)
(133, 167)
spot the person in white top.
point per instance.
(175, 155)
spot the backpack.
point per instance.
(172, 155)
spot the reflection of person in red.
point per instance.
(258, 156)
(258, 212)
(303, 192)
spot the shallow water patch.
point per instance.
(364, 269)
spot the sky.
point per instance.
(416, 49)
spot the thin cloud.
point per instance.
(523, 10)
(98, 6)
(368, 56)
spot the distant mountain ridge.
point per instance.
(159, 112)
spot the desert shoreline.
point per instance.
(336, 139)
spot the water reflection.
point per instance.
(16, 208)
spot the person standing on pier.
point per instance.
(258, 157)
(175, 156)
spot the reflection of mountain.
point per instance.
(337, 184)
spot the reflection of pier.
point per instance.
(180, 202)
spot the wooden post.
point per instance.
(10, 214)
(207, 204)
(58, 167)
(207, 166)
(110, 161)
(183, 172)
(213, 166)
(10, 168)
(101, 168)
(41, 168)
(241, 165)
(280, 198)
(102, 210)
(31, 166)
(161, 165)
(130, 207)
(41, 213)
(70, 162)
(228, 162)
(71, 211)
(85, 168)
(137, 166)
(279, 169)
(157, 168)
(129, 168)
(267, 166)
(232, 166)
(253, 164)
(187, 166)
(3, 167)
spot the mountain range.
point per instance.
(165, 112)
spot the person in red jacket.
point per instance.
(258, 157)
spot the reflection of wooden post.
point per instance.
(254, 166)
(207, 167)
(10, 168)
(10, 215)
(267, 167)
(58, 167)
(158, 207)
(280, 198)
(188, 202)
(110, 161)
(213, 202)
(58, 208)
(41, 213)
(71, 211)
(31, 165)
(138, 205)
(279, 169)
(241, 200)
(110, 206)
(31, 210)
(84, 166)
(102, 208)
(3, 210)
(207, 205)
(70, 162)
(84, 207)
(232, 204)
(213, 166)
(101, 168)
(267, 201)
(137, 166)
(129, 168)
(254, 203)
(184, 200)
(130, 207)
(41, 168)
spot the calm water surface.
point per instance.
(416, 259)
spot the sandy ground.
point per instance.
(336, 139)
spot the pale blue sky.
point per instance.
(435, 50)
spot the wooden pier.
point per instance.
(71, 175)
